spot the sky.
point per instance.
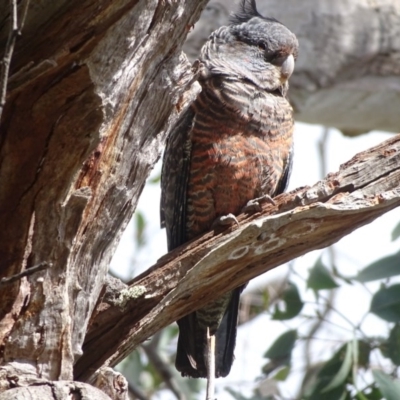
(352, 253)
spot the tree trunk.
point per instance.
(93, 90)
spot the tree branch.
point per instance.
(192, 275)
(15, 30)
(5, 67)
(163, 368)
(36, 268)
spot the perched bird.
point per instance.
(233, 144)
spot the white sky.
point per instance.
(353, 253)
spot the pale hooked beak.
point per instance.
(287, 67)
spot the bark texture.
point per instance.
(94, 88)
(348, 71)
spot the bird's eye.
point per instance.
(262, 47)
(278, 59)
(271, 56)
(275, 58)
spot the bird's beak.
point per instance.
(287, 68)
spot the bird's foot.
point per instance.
(225, 220)
(254, 205)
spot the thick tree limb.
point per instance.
(187, 278)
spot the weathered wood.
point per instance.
(192, 275)
(112, 383)
(21, 382)
(94, 87)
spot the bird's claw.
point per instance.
(254, 205)
(225, 220)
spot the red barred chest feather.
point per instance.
(241, 139)
(227, 171)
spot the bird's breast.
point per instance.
(238, 153)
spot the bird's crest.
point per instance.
(247, 10)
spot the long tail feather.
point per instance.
(192, 342)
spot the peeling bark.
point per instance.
(94, 89)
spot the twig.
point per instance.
(136, 392)
(322, 151)
(210, 366)
(162, 367)
(12, 37)
(29, 271)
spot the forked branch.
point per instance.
(186, 279)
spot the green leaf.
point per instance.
(373, 393)
(282, 374)
(315, 389)
(364, 351)
(156, 179)
(256, 308)
(340, 393)
(265, 298)
(396, 232)
(386, 303)
(380, 269)
(340, 378)
(140, 226)
(292, 301)
(238, 396)
(391, 347)
(390, 388)
(320, 277)
(283, 346)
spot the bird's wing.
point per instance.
(287, 170)
(174, 178)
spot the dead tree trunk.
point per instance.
(94, 87)
(93, 90)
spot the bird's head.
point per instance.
(252, 48)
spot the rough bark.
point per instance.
(94, 88)
(192, 275)
(21, 382)
(348, 71)
(112, 383)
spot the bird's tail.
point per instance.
(192, 342)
